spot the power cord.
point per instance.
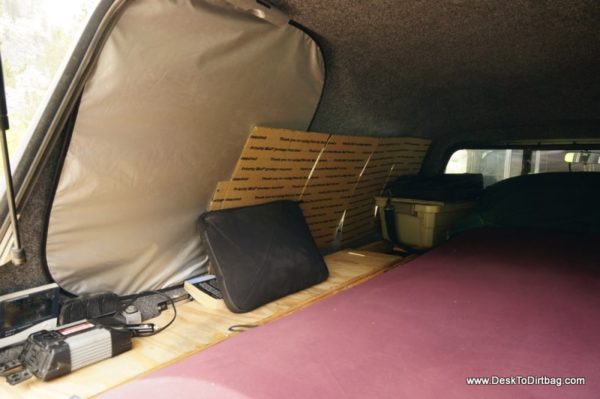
(147, 329)
(241, 327)
(172, 303)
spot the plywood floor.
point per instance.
(197, 328)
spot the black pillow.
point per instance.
(261, 253)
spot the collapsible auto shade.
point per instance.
(163, 117)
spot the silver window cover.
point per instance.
(163, 118)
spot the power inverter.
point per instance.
(51, 354)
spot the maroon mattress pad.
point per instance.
(519, 305)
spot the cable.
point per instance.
(241, 327)
(147, 293)
(170, 300)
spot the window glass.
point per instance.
(500, 164)
(495, 165)
(565, 160)
(36, 38)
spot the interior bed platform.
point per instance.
(197, 328)
(491, 303)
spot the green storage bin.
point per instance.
(422, 224)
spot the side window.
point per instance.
(495, 165)
(500, 164)
(565, 161)
(36, 39)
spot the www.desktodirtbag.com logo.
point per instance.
(526, 380)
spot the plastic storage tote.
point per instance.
(420, 223)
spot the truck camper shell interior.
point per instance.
(265, 199)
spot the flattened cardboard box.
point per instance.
(335, 176)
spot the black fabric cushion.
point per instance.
(261, 253)
(559, 201)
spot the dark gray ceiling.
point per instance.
(433, 68)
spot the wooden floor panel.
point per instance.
(197, 328)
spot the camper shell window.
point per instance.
(501, 163)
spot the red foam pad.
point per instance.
(489, 302)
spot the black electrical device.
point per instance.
(51, 354)
(89, 306)
(25, 312)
